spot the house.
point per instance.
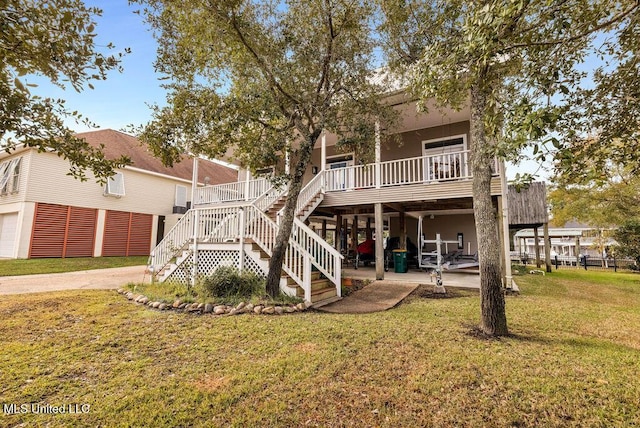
(419, 190)
(44, 212)
(567, 243)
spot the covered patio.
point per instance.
(463, 278)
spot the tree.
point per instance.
(602, 130)
(507, 60)
(599, 203)
(54, 39)
(628, 238)
(264, 79)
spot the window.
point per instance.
(445, 158)
(115, 185)
(181, 196)
(10, 176)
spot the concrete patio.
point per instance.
(468, 278)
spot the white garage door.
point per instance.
(8, 227)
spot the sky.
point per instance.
(123, 98)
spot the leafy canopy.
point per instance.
(260, 77)
(55, 40)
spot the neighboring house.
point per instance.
(567, 243)
(44, 212)
(423, 183)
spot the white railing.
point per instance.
(172, 243)
(305, 248)
(349, 178)
(214, 225)
(263, 231)
(310, 191)
(422, 169)
(231, 192)
(264, 201)
(324, 257)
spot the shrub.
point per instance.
(227, 282)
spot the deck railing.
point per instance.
(422, 169)
(231, 192)
(224, 224)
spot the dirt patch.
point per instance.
(426, 291)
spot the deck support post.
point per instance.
(378, 157)
(194, 265)
(338, 235)
(379, 251)
(536, 245)
(504, 216)
(403, 231)
(547, 247)
(241, 236)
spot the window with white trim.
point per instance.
(10, 176)
(181, 196)
(115, 185)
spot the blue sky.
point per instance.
(123, 98)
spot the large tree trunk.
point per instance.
(286, 222)
(494, 319)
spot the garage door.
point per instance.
(8, 227)
(63, 231)
(127, 234)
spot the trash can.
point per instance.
(400, 261)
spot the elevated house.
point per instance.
(415, 191)
(44, 212)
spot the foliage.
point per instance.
(602, 130)
(261, 81)
(597, 203)
(11, 267)
(54, 40)
(569, 362)
(628, 238)
(227, 281)
(506, 61)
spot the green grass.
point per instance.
(573, 360)
(36, 266)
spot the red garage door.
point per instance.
(63, 231)
(127, 234)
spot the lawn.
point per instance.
(573, 360)
(11, 267)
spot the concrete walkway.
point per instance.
(81, 280)
(375, 297)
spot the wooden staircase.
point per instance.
(322, 290)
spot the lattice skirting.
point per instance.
(209, 261)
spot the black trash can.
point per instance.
(400, 261)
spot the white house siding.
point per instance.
(144, 193)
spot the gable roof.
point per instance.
(118, 143)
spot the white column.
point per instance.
(379, 250)
(194, 267)
(323, 151)
(194, 181)
(505, 225)
(241, 235)
(378, 170)
(246, 185)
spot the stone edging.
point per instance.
(209, 308)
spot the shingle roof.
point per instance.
(118, 143)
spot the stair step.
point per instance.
(325, 302)
(315, 276)
(323, 294)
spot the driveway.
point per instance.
(81, 280)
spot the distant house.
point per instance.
(568, 242)
(44, 212)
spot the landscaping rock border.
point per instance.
(213, 309)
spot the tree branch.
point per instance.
(585, 33)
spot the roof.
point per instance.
(118, 143)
